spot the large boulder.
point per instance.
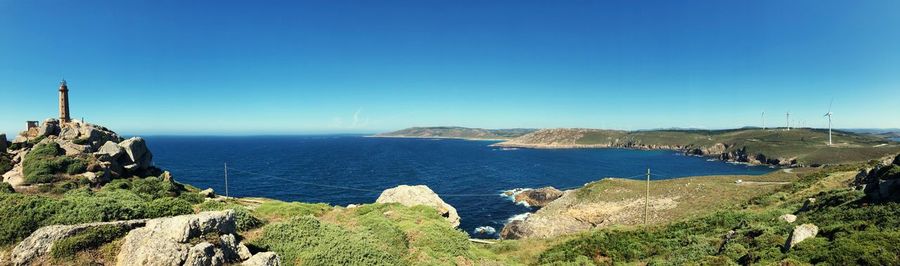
(50, 127)
(167, 241)
(538, 197)
(138, 153)
(39, 243)
(419, 195)
(263, 259)
(111, 149)
(800, 233)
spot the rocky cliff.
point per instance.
(104, 153)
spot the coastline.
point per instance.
(435, 137)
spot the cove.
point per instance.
(470, 175)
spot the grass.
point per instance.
(274, 210)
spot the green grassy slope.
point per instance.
(853, 230)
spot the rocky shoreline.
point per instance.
(717, 151)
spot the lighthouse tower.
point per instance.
(64, 103)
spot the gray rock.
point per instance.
(789, 218)
(183, 228)
(233, 250)
(538, 197)
(419, 195)
(204, 254)
(137, 152)
(164, 241)
(50, 127)
(73, 149)
(41, 241)
(800, 233)
(112, 150)
(209, 193)
(143, 246)
(69, 133)
(263, 259)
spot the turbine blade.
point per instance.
(829, 105)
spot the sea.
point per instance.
(350, 169)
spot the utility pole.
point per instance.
(647, 201)
(226, 180)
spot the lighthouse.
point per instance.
(64, 103)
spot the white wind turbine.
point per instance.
(787, 119)
(828, 114)
(763, 116)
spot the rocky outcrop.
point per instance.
(419, 195)
(263, 259)
(538, 197)
(550, 221)
(41, 241)
(140, 157)
(800, 233)
(880, 183)
(167, 241)
(50, 127)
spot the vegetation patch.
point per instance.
(279, 210)
(90, 238)
(46, 162)
(121, 200)
(851, 230)
(304, 240)
(6, 163)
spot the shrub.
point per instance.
(304, 240)
(88, 239)
(44, 162)
(22, 214)
(6, 188)
(6, 163)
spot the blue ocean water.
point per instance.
(470, 175)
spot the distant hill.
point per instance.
(458, 133)
(800, 147)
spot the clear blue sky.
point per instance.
(284, 67)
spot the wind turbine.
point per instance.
(763, 116)
(828, 114)
(787, 120)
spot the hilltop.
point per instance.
(797, 147)
(458, 133)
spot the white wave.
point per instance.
(485, 230)
(518, 217)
